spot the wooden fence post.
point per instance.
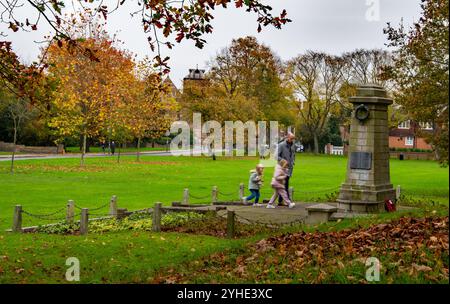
(84, 222)
(156, 222)
(214, 194)
(186, 196)
(241, 192)
(230, 224)
(70, 212)
(113, 206)
(291, 193)
(17, 220)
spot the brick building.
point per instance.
(406, 135)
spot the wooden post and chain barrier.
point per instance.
(241, 192)
(70, 213)
(113, 206)
(231, 227)
(156, 220)
(17, 219)
(214, 194)
(84, 221)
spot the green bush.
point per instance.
(163, 140)
(59, 228)
(138, 222)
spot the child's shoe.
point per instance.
(291, 205)
(270, 206)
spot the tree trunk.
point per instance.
(316, 144)
(83, 151)
(118, 154)
(13, 155)
(138, 154)
(109, 142)
(80, 143)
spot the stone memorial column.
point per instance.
(368, 183)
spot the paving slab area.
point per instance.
(281, 215)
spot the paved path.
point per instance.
(77, 155)
(262, 215)
(284, 215)
(278, 216)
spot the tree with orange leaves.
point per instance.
(147, 115)
(88, 91)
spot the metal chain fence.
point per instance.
(47, 217)
(92, 209)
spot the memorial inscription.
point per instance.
(361, 160)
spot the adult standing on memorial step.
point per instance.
(286, 151)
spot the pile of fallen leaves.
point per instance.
(409, 250)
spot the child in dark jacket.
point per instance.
(254, 184)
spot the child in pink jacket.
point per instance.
(278, 180)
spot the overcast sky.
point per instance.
(333, 26)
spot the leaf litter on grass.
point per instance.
(410, 250)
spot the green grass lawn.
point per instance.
(127, 257)
(43, 186)
(140, 257)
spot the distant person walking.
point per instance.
(113, 147)
(286, 151)
(103, 145)
(280, 176)
(254, 184)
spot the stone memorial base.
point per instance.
(364, 199)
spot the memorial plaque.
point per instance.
(361, 160)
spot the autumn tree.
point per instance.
(367, 66)
(243, 83)
(21, 89)
(212, 101)
(17, 110)
(316, 79)
(363, 66)
(88, 90)
(249, 70)
(421, 71)
(118, 97)
(147, 115)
